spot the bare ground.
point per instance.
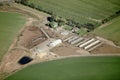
(29, 35)
(106, 49)
(66, 49)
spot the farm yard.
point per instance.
(85, 68)
(35, 37)
(82, 11)
(60, 40)
(10, 24)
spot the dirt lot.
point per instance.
(66, 49)
(10, 61)
(31, 36)
(106, 49)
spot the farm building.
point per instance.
(55, 43)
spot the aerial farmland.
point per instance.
(59, 39)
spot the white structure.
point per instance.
(68, 38)
(55, 43)
(74, 38)
(77, 40)
(84, 44)
(92, 44)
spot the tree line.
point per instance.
(116, 14)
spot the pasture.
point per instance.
(111, 32)
(79, 68)
(10, 24)
(82, 11)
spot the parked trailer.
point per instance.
(84, 44)
(76, 41)
(68, 38)
(74, 38)
(92, 44)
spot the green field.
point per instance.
(10, 24)
(111, 32)
(81, 68)
(81, 11)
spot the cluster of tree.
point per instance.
(61, 21)
(88, 26)
(116, 14)
(54, 18)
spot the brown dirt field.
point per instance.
(66, 49)
(106, 49)
(29, 35)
